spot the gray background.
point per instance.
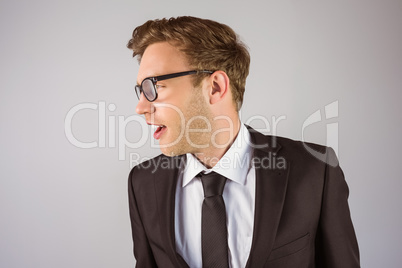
(63, 206)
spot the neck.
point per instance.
(222, 139)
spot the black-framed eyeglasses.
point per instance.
(148, 85)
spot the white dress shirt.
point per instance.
(239, 197)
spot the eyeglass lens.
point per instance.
(149, 89)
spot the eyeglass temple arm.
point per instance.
(168, 76)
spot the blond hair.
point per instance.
(207, 44)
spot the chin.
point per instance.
(171, 150)
(176, 149)
(168, 152)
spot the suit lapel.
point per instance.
(165, 179)
(271, 184)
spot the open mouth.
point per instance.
(160, 129)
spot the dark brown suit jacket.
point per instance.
(302, 217)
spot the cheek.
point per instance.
(170, 115)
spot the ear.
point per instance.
(219, 82)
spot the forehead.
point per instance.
(161, 58)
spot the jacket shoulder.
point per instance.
(305, 151)
(291, 144)
(154, 167)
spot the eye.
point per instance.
(159, 86)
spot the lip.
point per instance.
(159, 132)
(156, 125)
(159, 129)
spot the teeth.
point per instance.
(154, 127)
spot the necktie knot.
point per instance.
(213, 183)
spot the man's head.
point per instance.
(207, 45)
(197, 112)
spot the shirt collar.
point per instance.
(234, 164)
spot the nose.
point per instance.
(143, 106)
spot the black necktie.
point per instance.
(214, 234)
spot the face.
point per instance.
(180, 109)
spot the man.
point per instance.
(222, 194)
